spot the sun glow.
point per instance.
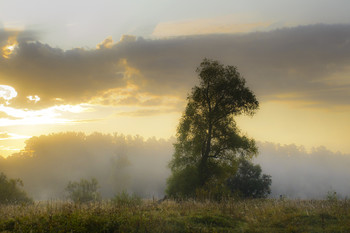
(7, 136)
(7, 93)
(52, 115)
(9, 48)
(33, 98)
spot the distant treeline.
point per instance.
(139, 166)
(116, 161)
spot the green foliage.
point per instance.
(125, 199)
(10, 191)
(332, 196)
(248, 182)
(181, 183)
(84, 191)
(213, 190)
(208, 140)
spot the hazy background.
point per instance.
(139, 166)
(127, 66)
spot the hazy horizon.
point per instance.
(133, 164)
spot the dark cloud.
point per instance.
(301, 63)
(21, 36)
(292, 60)
(74, 76)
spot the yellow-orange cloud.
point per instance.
(10, 46)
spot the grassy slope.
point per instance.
(230, 216)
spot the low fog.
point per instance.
(297, 173)
(139, 166)
(118, 162)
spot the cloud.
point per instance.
(50, 73)
(7, 93)
(4, 135)
(302, 64)
(106, 43)
(132, 96)
(52, 115)
(7, 116)
(19, 35)
(146, 112)
(295, 61)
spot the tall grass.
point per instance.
(186, 216)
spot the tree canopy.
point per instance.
(208, 140)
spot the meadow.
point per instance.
(264, 215)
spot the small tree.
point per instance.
(248, 182)
(83, 191)
(10, 191)
(208, 140)
(125, 199)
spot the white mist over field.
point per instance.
(139, 166)
(119, 163)
(297, 173)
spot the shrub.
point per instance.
(10, 191)
(332, 196)
(125, 199)
(249, 182)
(182, 183)
(213, 190)
(84, 191)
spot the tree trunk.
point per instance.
(203, 166)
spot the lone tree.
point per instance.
(208, 140)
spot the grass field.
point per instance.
(188, 216)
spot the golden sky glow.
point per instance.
(7, 92)
(90, 80)
(283, 123)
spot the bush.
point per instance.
(84, 191)
(125, 199)
(10, 192)
(248, 182)
(332, 196)
(182, 183)
(213, 190)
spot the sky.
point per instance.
(127, 66)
